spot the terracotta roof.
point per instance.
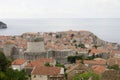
(96, 51)
(115, 52)
(94, 62)
(40, 62)
(97, 62)
(113, 61)
(18, 62)
(99, 59)
(43, 70)
(34, 63)
(10, 42)
(98, 69)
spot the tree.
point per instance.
(81, 45)
(6, 73)
(72, 35)
(96, 46)
(115, 67)
(58, 35)
(3, 62)
(86, 76)
(76, 45)
(74, 41)
(72, 59)
(60, 65)
(2, 76)
(89, 51)
(47, 64)
(15, 74)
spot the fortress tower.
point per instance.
(35, 48)
(35, 45)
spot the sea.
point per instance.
(107, 29)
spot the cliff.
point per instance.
(3, 25)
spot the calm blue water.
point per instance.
(106, 29)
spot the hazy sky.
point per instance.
(59, 8)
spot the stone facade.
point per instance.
(10, 50)
(35, 50)
(111, 75)
(35, 45)
(60, 56)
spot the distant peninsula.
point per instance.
(3, 25)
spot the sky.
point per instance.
(59, 8)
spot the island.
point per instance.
(3, 25)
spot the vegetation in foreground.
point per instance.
(87, 76)
(6, 73)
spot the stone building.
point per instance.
(35, 48)
(60, 55)
(11, 50)
(18, 64)
(75, 70)
(111, 75)
(35, 45)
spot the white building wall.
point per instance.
(62, 71)
(16, 67)
(117, 56)
(19, 67)
(39, 77)
(53, 63)
(23, 65)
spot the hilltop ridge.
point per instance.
(72, 39)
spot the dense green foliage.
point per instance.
(96, 46)
(3, 62)
(91, 57)
(47, 64)
(72, 35)
(59, 65)
(81, 45)
(6, 73)
(115, 67)
(58, 35)
(74, 41)
(72, 59)
(86, 76)
(15, 75)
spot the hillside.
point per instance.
(71, 38)
(74, 40)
